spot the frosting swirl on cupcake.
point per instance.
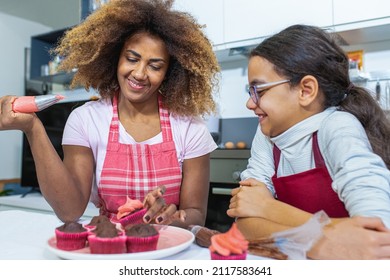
(129, 207)
(229, 243)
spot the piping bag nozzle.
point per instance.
(31, 104)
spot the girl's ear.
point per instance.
(308, 90)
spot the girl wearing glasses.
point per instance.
(322, 144)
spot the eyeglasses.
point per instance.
(256, 91)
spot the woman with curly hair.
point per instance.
(144, 139)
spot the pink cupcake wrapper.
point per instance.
(135, 218)
(216, 256)
(107, 245)
(142, 244)
(89, 228)
(70, 241)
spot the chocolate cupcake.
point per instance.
(97, 220)
(71, 236)
(141, 238)
(106, 239)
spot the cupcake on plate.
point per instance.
(97, 220)
(71, 236)
(141, 238)
(131, 212)
(107, 239)
(230, 245)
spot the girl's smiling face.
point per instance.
(278, 108)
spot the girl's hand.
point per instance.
(158, 211)
(356, 238)
(250, 199)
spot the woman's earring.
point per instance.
(161, 92)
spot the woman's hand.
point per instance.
(250, 199)
(9, 120)
(158, 211)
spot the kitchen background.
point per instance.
(234, 26)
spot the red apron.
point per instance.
(133, 170)
(310, 190)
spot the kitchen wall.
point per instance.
(15, 37)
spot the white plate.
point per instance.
(172, 240)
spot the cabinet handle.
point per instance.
(221, 191)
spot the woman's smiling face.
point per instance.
(142, 66)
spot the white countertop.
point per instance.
(25, 235)
(35, 202)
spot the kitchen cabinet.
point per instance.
(208, 13)
(362, 23)
(40, 57)
(250, 19)
(352, 11)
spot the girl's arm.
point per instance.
(356, 238)
(253, 199)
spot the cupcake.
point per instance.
(230, 245)
(97, 220)
(71, 236)
(141, 238)
(106, 239)
(131, 212)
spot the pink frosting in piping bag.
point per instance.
(31, 104)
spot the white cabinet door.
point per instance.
(248, 19)
(352, 11)
(206, 12)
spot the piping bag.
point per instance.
(31, 104)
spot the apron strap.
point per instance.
(318, 159)
(164, 121)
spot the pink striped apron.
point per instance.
(133, 170)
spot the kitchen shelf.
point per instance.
(60, 78)
(40, 55)
(373, 76)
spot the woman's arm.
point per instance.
(193, 196)
(195, 190)
(66, 185)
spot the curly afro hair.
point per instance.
(93, 48)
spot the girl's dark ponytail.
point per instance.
(366, 109)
